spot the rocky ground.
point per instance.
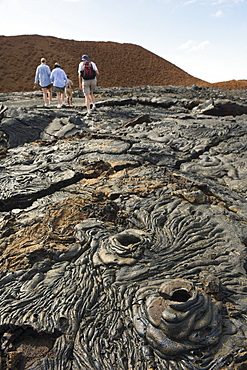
(123, 233)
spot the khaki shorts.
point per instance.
(89, 86)
(68, 92)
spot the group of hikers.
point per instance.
(59, 82)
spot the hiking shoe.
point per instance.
(89, 111)
(59, 106)
(94, 107)
(46, 105)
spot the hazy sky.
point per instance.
(206, 38)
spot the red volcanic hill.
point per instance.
(118, 64)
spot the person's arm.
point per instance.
(36, 79)
(95, 68)
(79, 75)
(66, 79)
(72, 85)
(52, 78)
(80, 80)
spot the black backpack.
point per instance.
(88, 72)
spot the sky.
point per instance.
(205, 38)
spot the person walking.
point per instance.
(87, 74)
(43, 78)
(69, 92)
(59, 80)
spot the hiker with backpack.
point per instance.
(87, 72)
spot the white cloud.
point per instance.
(220, 2)
(186, 45)
(199, 46)
(228, 2)
(218, 14)
(164, 1)
(189, 2)
(191, 46)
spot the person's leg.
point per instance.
(69, 96)
(92, 98)
(44, 89)
(86, 90)
(92, 88)
(87, 102)
(59, 99)
(50, 95)
(62, 98)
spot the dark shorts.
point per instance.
(47, 87)
(59, 89)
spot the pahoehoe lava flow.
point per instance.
(123, 233)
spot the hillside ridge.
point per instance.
(119, 64)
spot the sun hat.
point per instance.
(84, 57)
(43, 60)
(56, 65)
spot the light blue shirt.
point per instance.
(59, 77)
(43, 75)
